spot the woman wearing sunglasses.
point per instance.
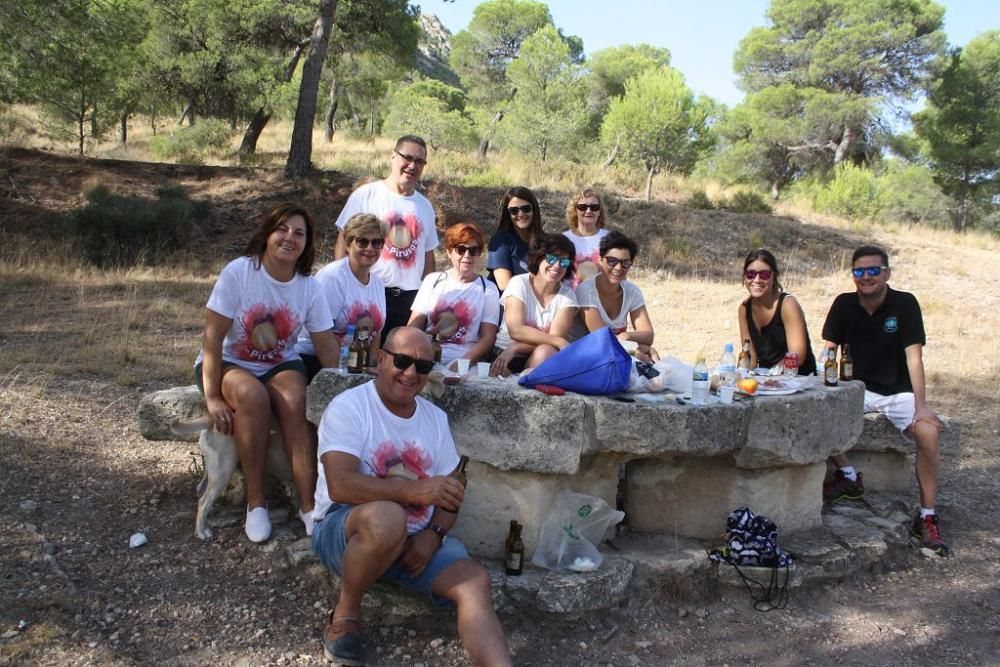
(585, 219)
(771, 318)
(459, 305)
(520, 224)
(538, 308)
(355, 294)
(249, 366)
(610, 299)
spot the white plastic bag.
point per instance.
(675, 376)
(570, 535)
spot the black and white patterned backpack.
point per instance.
(752, 541)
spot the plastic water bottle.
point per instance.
(726, 369)
(345, 348)
(699, 381)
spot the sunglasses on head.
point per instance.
(419, 161)
(473, 250)
(523, 208)
(593, 207)
(404, 361)
(564, 262)
(363, 243)
(614, 261)
(872, 271)
(750, 274)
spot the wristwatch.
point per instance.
(440, 532)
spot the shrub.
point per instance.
(747, 201)
(908, 194)
(852, 193)
(699, 199)
(190, 145)
(120, 231)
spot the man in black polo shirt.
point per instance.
(886, 333)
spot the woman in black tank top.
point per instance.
(772, 319)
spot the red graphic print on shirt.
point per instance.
(411, 463)
(363, 315)
(266, 334)
(453, 320)
(586, 266)
(403, 239)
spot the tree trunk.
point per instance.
(610, 160)
(300, 152)
(484, 144)
(249, 144)
(81, 117)
(649, 183)
(961, 217)
(330, 125)
(775, 190)
(188, 113)
(845, 145)
(123, 128)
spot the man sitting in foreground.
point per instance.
(885, 330)
(385, 504)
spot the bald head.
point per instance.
(410, 336)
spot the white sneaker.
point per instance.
(258, 524)
(307, 521)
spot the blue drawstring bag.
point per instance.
(596, 364)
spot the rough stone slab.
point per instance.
(571, 592)
(496, 422)
(802, 428)
(659, 556)
(888, 471)
(494, 497)
(859, 537)
(666, 429)
(160, 409)
(894, 508)
(728, 576)
(879, 435)
(692, 497)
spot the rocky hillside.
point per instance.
(433, 50)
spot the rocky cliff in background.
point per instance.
(433, 49)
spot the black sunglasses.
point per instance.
(404, 361)
(750, 274)
(473, 250)
(523, 208)
(363, 243)
(872, 271)
(593, 207)
(614, 261)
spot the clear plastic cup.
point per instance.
(463, 367)
(483, 368)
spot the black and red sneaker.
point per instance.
(927, 530)
(839, 487)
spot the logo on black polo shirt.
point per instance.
(891, 324)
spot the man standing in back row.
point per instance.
(408, 252)
(885, 330)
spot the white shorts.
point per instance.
(898, 408)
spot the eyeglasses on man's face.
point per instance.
(412, 159)
(860, 271)
(404, 361)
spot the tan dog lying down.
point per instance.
(221, 458)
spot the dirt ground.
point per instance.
(78, 480)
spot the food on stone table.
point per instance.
(747, 385)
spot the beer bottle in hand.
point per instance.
(514, 550)
(459, 473)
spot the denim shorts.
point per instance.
(329, 540)
(293, 365)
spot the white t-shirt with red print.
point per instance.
(411, 231)
(457, 309)
(268, 315)
(534, 314)
(350, 302)
(588, 255)
(356, 422)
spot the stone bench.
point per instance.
(886, 459)
(687, 466)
